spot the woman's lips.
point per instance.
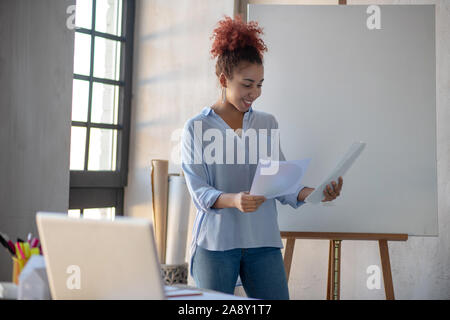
(247, 104)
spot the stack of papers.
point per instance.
(278, 178)
(341, 168)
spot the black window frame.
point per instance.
(99, 189)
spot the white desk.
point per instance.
(206, 294)
(11, 293)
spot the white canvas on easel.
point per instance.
(329, 81)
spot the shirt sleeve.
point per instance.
(290, 199)
(203, 195)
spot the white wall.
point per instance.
(174, 79)
(36, 69)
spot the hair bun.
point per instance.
(234, 34)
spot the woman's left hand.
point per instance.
(333, 190)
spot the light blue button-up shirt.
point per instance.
(228, 228)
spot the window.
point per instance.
(101, 105)
(93, 213)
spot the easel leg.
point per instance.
(386, 265)
(288, 253)
(334, 271)
(330, 270)
(337, 270)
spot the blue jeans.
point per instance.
(261, 270)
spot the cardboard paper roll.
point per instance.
(177, 219)
(160, 175)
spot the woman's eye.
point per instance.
(259, 86)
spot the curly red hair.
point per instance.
(236, 41)
(234, 34)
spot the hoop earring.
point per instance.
(224, 94)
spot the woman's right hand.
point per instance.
(246, 202)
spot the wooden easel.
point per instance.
(334, 258)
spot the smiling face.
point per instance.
(245, 87)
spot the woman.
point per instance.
(235, 233)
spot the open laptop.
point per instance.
(100, 259)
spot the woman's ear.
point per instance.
(223, 80)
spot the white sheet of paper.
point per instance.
(272, 181)
(341, 168)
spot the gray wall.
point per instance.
(36, 66)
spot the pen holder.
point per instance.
(18, 265)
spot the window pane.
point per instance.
(100, 213)
(106, 58)
(102, 149)
(83, 18)
(108, 17)
(74, 213)
(105, 103)
(82, 55)
(77, 148)
(80, 100)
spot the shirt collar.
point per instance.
(207, 110)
